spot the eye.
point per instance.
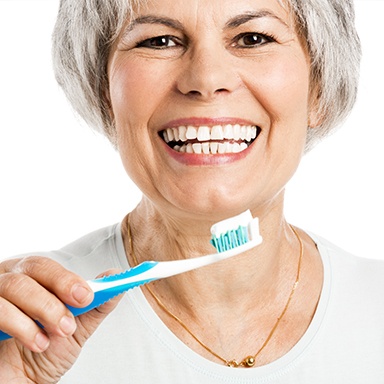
(252, 39)
(159, 42)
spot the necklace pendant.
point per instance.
(249, 362)
(232, 364)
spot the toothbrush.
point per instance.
(230, 237)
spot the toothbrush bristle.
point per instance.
(231, 239)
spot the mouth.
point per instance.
(206, 140)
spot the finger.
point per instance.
(7, 265)
(109, 306)
(66, 285)
(88, 322)
(18, 325)
(37, 303)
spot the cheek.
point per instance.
(136, 88)
(127, 90)
(281, 86)
(293, 93)
(136, 92)
(282, 89)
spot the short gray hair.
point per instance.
(86, 29)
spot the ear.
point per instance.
(108, 104)
(315, 118)
(315, 113)
(109, 117)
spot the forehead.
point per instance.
(202, 11)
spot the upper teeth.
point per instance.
(205, 133)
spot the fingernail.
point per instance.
(67, 325)
(41, 341)
(80, 293)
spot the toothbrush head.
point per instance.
(235, 231)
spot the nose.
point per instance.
(207, 73)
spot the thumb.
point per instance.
(87, 323)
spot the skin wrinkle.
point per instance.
(175, 24)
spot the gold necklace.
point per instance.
(250, 360)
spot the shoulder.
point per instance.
(92, 253)
(349, 317)
(91, 243)
(358, 277)
(342, 258)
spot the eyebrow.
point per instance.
(151, 19)
(244, 18)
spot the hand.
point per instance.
(35, 288)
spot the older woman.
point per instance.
(171, 84)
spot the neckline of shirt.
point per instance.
(215, 370)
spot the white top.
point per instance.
(343, 344)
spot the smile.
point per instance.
(219, 139)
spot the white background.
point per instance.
(59, 180)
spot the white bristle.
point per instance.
(243, 220)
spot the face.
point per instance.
(210, 101)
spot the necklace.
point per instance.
(250, 360)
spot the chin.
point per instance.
(213, 208)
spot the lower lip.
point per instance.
(192, 159)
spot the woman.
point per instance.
(294, 309)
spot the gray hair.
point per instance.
(86, 29)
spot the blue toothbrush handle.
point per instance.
(100, 298)
(4, 336)
(103, 295)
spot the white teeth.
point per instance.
(191, 133)
(183, 133)
(236, 131)
(211, 148)
(206, 148)
(204, 134)
(214, 147)
(236, 148)
(211, 140)
(196, 148)
(243, 133)
(243, 146)
(176, 134)
(217, 133)
(188, 148)
(222, 148)
(248, 134)
(170, 135)
(165, 136)
(228, 132)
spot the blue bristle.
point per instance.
(230, 239)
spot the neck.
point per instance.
(261, 272)
(244, 294)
